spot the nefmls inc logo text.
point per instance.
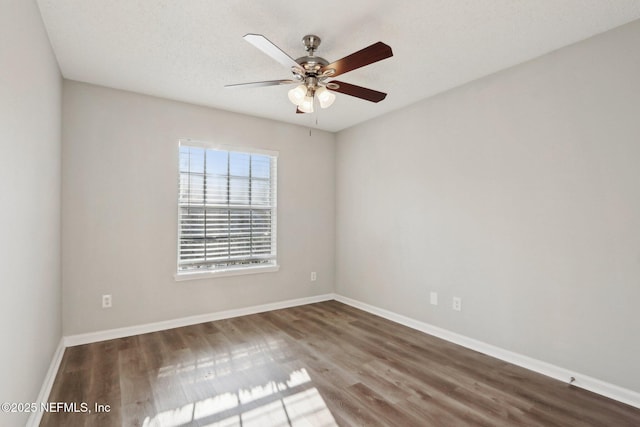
(78, 407)
(81, 407)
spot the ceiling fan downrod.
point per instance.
(311, 43)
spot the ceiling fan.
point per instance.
(311, 72)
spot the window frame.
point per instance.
(230, 270)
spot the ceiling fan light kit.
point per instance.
(302, 96)
(311, 72)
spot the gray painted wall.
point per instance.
(30, 118)
(518, 193)
(120, 158)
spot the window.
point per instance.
(227, 210)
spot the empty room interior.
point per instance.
(344, 213)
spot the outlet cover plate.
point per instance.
(433, 298)
(457, 303)
(106, 301)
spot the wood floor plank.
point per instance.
(136, 394)
(104, 385)
(324, 364)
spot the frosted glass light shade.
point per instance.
(297, 94)
(325, 97)
(307, 105)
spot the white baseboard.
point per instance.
(595, 385)
(73, 340)
(47, 384)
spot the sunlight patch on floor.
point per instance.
(258, 406)
(222, 402)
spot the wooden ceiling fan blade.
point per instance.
(374, 53)
(261, 84)
(265, 45)
(357, 91)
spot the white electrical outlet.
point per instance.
(314, 276)
(457, 303)
(433, 298)
(106, 301)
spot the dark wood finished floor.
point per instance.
(323, 364)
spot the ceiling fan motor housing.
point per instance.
(311, 63)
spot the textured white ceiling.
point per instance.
(188, 50)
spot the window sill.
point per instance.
(179, 277)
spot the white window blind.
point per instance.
(227, 208)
